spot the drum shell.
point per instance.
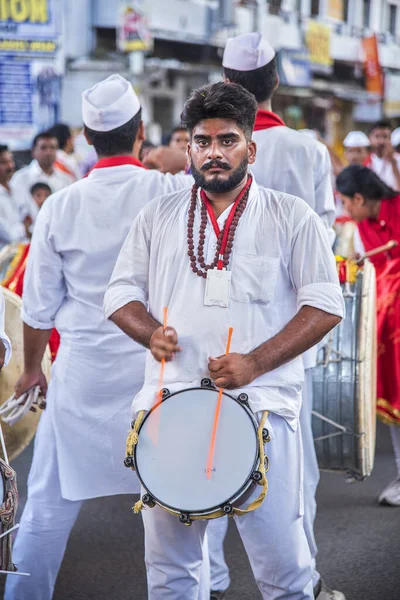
(344, 388)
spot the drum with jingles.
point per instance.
(19, 435)
(173, 468)
(344, 380)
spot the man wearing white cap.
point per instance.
(79, 232)
(294, 163)
(356, 147)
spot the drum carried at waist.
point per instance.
(19, 435)
(344, 380)
(173, 467)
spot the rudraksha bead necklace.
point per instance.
(224, 259)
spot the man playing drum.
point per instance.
(272, 277)
(79, 232)
(296, 164)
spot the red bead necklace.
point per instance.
(224, 238)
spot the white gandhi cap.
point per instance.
(247, 52)
(356, 139)
(109, 104)
(395, 137)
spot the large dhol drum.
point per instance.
(344, 383)
(173, 470)
(18, 436)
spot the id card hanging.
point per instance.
(217, 290)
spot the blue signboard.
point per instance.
(29, 27)
(294, 68)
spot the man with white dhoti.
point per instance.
(80, 442)
(281, 296)
(296, 164)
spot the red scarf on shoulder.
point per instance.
(266, 119)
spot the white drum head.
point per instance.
(174, 471)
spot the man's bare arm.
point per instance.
(35, 342)
(306, 329)
(138, 324)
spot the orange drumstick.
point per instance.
(154, 426)
(216, 416)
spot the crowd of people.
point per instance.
(280, 293)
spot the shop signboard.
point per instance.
(336, 9)
(29, 27)
(133, 33)
(294, 68)
(318, 40)
(372, 67)
(391, 103)
(29, 99)
(367, 111)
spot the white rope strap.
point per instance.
(14, 408)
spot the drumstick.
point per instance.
(154, 425)
(216, 416)
(378, 250)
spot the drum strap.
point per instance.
(8, 510)
(133, 438)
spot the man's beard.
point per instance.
(215, 185)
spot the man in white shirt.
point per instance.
(297, 164)
(13, 214)
(282, 299)
(80, 442)
(384, 161)
(42, 169)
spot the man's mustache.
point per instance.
(213, 164)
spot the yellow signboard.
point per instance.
(24, 11)
(318, 40)
(29, 27)
(336, 9)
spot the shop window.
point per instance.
(315, 8)
(366, 13)
(392, 19)
(275, 7)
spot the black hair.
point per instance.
(384, 124)
(3, 148)
(62, 132)
(221, 101)
(260, 82)
(43, 135)
(117, 141)
(40, 186)
(356, 179)
(145, 145)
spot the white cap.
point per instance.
(309, 132)
(109, 104)
(356, 139)
(395, 137)
(247, 52)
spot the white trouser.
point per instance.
(217, 529)
(46, 523)
(273, 535)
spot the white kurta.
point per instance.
(281, 261)
(294, 163)
(78, 235)
(384, 169)
(11, 214)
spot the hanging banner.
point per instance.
(294, 67)
(318, 40)
(29, 27)
(372, 67)
(336, 9)
(133, 33)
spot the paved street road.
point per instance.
(359, 542)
